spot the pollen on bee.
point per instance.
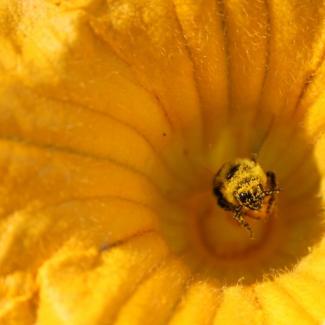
(243, 188)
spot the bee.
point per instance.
(242, 186)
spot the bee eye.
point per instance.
(243, 196)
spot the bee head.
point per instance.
(251, 198)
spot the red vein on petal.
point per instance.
(35, 303)
(5, 167)
(127, 125)
(294, 171)
(308, 81)
(309, 76)
(311, 277)
(222, 14)
(190, 56)
(153, 94)
(257, 302)
(309, 190)
(268, 47)
(186, 286)
(68, 151)
(100, 198)
(113, 245)
(129, 238)
(265, 135)
(218, 305)
(267, 56)
(177, 304)
(135, 289)
(300, 308)
(136, 80)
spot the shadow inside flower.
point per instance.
(212, 243)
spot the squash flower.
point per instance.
(114, 118)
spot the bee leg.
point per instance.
(254, 157)
(255, 218)
(238, 216)
(273, 190)
(272, 180)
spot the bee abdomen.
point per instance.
(223, 203)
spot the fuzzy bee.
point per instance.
(242, 186)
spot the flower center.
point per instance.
(216, 231)
(211, 241)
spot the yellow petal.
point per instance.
(114, 118)
(281, 308)
(296, 48)
(80, 286)
(16, 298)
(201, 22)
(239, 306)
(199, 304)
(136, 32)
(152, 295)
